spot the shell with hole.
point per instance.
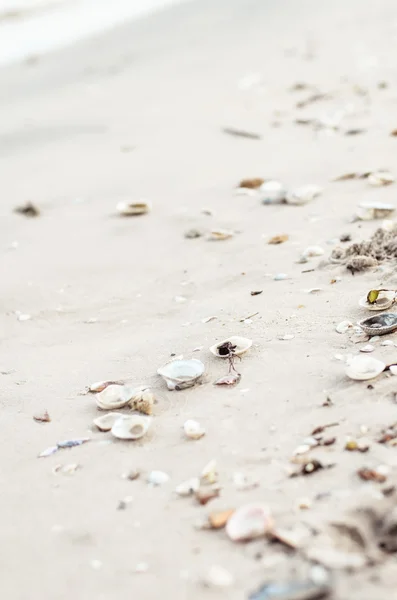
(384, 299)
(113, 396)
(364, 367)
(182, 374)
(106, 422)
(131, 427)
(232, 346)
(379, 324)
(133, 209)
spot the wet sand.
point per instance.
(138, 113)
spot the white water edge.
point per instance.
(34, 27)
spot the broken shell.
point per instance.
(234, 345)
(113, 396)
(344, 326)
(106, 422)
(362, 367)
(384, 299)
(131, 427)
(188, 487)
(193, 429)
(181, 374)
(129, 209)
(142, 400)
(379, 178)
(367, 348)
(249, 522)
(379, 324)
(374, 210)
(303, 195)
(272, 192)
(220, 234)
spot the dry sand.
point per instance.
(139, 112)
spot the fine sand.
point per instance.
(138, 113)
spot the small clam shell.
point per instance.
(131, 427)
(129, 209)
(383, 301)
(106, 422)
(379, 324)
(344, 326)
(181, 374)
(113, 396)
(272, 192)
(241, 345)
(249, 522)
(220, 234)
(193, 430)
(364, 367)
(303, 195)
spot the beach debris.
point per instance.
(209, 475)
(308, 466)
(272, 192)
(69, 469)
(305, 589)
(311, 252)
(378, 299)
(193, 430)
(99, 386)
(218, 577)
(380, 247)
(204, 494)
(229, 379)
(379, 178)
(278, 239)
(373, 209)
(28, 209)
(106, 422)
(367, 474)
(220, 234)
(249, 522)
(280, 277)
(131, 475)
(62, 445)
(208, 319)
(156, 478)
(256, 292)
(361, 368)
(303, 195)
(193, 233)
(381, 324)
(133, 209)
(316, 97)
(218, 519)
(367, 348)
(43, 417)
(182, 374)
(388, 435)
(241, 133)
(344, 327)
(188, 487)
(315, 290)
(361, 263)
(252, 184)
(131, 427)
(356, 445)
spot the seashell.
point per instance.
(132, 209)
(393, 369)
(193, 429)
(379, 324)
(205, 494)
(218, 577)
(343, 327)
(312, 251)
(99, 386)
(218, 519)
(106, 422)
(209, 474)
(280, 277)
(362, 367)
(367, 211)
(131, 427)
(220, 234)
(234, 345)
(157, 477)
(384, 299)
(272, 192)
(188, 487)
(367, 348)
(249, 522)
(379, 178)
(142, 400)
(113, 396)
(303, 195)
(181, 374)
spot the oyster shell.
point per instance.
(364, 367)
(384, 299)
(272, 192)
(132, 209)
(113, 396)
(234, 345)
(379, 324)
(303, 195)
(106, 422)
(181, 374)
(193, 430)
(249, 522)
(131, 427)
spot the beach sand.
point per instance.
(139, 112)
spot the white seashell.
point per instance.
(361, 368)
(387, 343)
(113, 396)
(383, 301)
(209, 474)
(181, 374)
(367, 211)
(193, 429)
(240, 345)
(388, 225)
(188, 487)
(303, 195)
(157, 477)
(312, 251)
(128, 209)
(280, 277)
(344, 326)
(131, 427)
(218, 577)
(393, 369)
(272, 192)
(220, 234)
(249, 522)
(379, 178)
(367, 348)
(106, 422)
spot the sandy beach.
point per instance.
(89, 295)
